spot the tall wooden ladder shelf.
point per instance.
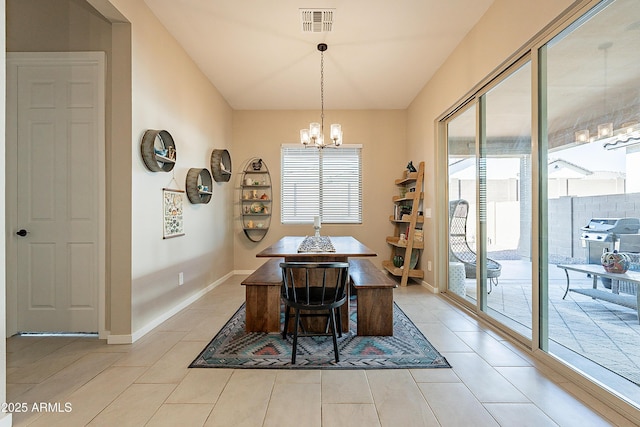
(406, 223)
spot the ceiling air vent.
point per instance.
(316, 20)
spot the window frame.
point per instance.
(323, 171)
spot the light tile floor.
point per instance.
(492, 382)
(605, 333)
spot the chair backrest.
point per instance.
(458, 245)
(458, 211)
(315, 283)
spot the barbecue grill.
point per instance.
(603, 233)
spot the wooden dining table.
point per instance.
(345, 247)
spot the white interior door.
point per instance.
(59, 133)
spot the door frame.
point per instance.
(14, 61)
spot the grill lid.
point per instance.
(613, 225)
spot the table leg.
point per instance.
(566, 272)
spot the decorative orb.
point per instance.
(398, 261)
(615, 262)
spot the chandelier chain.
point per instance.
(315, 134)
(322, 92)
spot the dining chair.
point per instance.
(314, 289)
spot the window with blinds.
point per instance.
(325, 183)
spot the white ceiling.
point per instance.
(381, 52)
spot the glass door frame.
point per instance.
(478, 100)
(538, 345)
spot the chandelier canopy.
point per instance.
(314, 136)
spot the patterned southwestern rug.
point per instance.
(232, 347)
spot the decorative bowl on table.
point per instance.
(615, 262)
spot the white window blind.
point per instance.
(327, 183)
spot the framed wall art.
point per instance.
(173, 222)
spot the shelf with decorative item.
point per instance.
(406, 219)
(258, 228)
(398, 242)
(399, 271)
(409, 196)
(221, 165)
(198, 185)
(255, 196)
(408, 240)
(158, 150)
(255, 208)
(409, 179)
(255, 200)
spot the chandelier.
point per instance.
(314, 136)
(626, 135)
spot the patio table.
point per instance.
(614, 296)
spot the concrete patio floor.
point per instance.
(581, 329)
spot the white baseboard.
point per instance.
(131, 338)
(119, 339)
(430, 287)
(239, 272)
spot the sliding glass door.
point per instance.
(547, 208)
(489, 159)
(507, 199)
(463, 190)
(592, 148)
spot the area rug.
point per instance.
(232, 347)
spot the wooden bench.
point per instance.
(375, 297)
(263, 297)
(262, 300)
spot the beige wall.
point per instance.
(169, 92)
(5, 419)
(54, 26)
(154, 85)
(504, 29)
(382, 135)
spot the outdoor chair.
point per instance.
(314, 289)
(459, 249)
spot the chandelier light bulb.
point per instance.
(336, 131)
(314, 130)
(304, 136)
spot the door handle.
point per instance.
(22, 232)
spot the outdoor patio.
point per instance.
(605, 333)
